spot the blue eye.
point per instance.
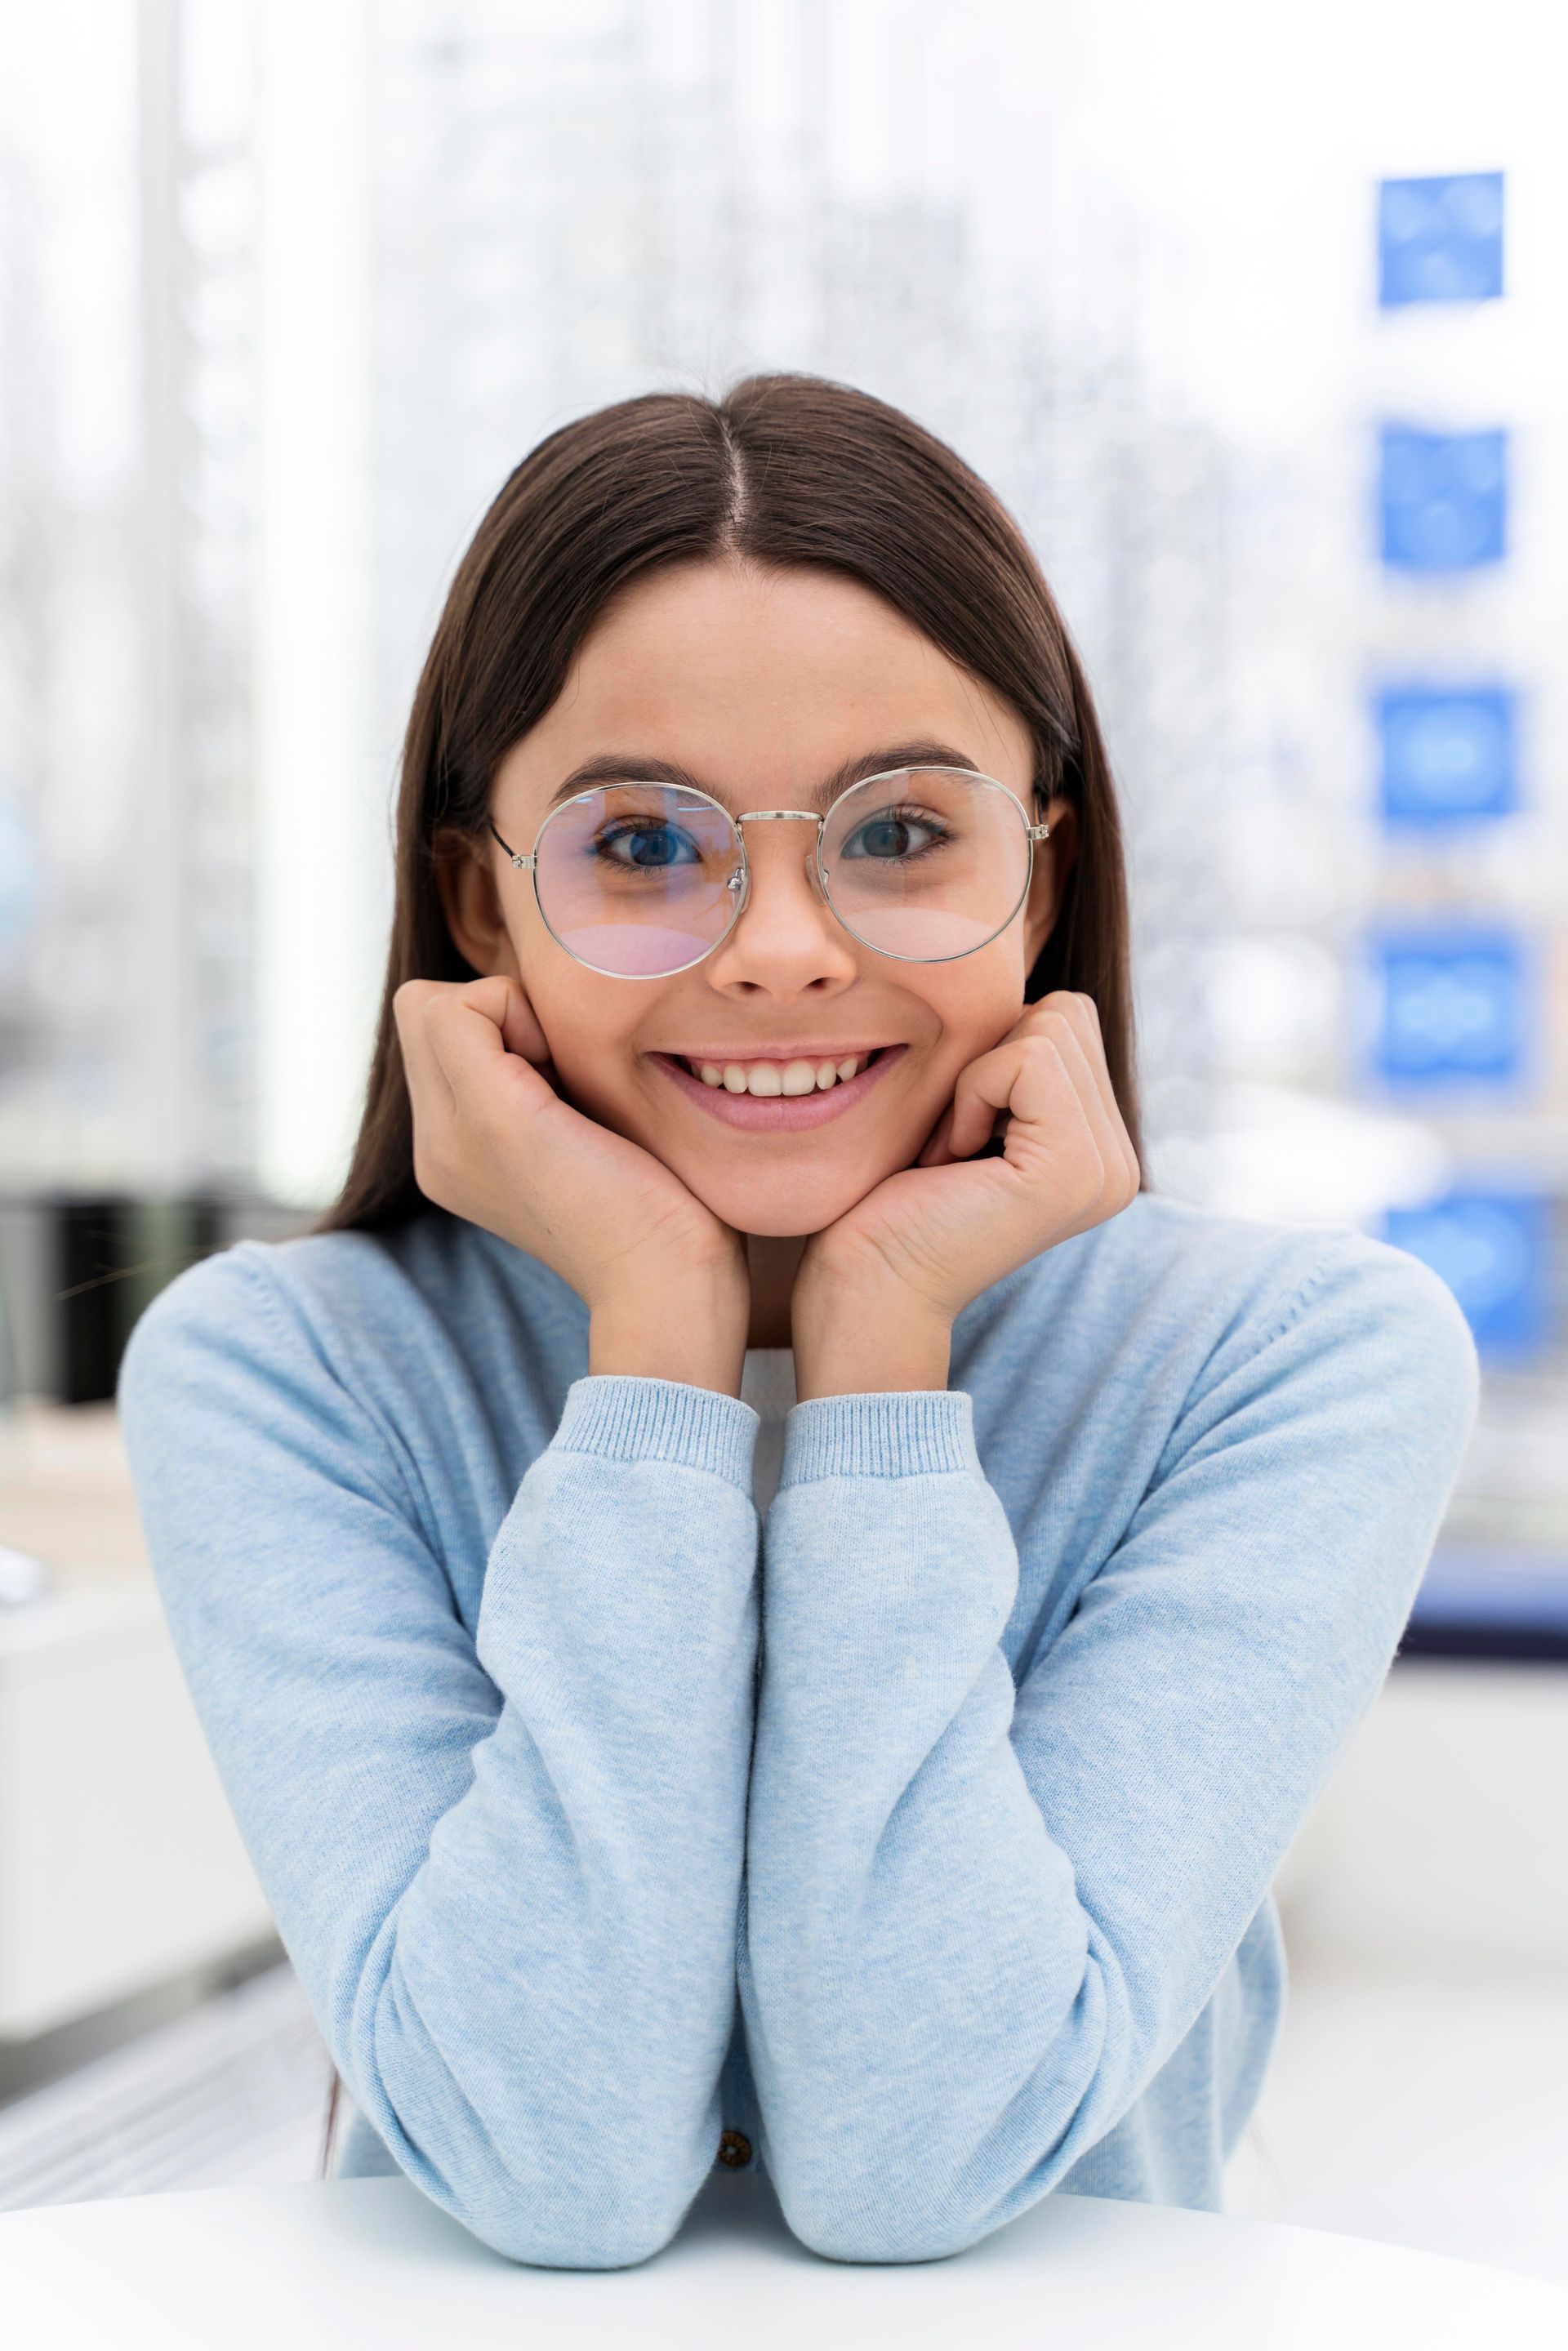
(654, 845)
(889, 836)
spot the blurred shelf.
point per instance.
(1522, 1139)
(1497, 1604)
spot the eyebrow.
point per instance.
(636, 767)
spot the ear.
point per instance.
(1054, 861)
(471, 904)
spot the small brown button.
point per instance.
(735, 2150)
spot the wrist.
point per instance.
(851, 1339)
(696, 1333)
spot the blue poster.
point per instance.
(1447, 755)
(1494, 1251)
(1452, 1008)
(1442, 498)
(1440, 240)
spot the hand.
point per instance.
(877, 1291)
(664, 1281)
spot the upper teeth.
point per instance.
(778, 1076)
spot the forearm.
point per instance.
(945, 1952)
(577, 1909)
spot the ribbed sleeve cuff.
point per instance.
(624, 1417)
(898, 1433)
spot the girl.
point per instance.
(759, 1602)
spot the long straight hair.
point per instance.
(783, 470)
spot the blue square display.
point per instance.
(1494, 1251)
(1440, 240)
(1442, 498)
(1452, 1008)
(1445, 753)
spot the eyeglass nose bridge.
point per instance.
(739, 881)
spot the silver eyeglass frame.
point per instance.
(739, 882)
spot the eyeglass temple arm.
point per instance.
(516, 856)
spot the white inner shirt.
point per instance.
(767, 1384)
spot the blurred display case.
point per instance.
(121, 1866)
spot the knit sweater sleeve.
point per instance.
(979, 1918)
(506, 1866)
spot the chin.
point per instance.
(783, 1208)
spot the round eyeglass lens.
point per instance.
(638, 880)
(927, 864)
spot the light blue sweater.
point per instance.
(953, 1891)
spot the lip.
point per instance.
(825, 1051)
(781, 1114)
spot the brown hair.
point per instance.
(785, 469)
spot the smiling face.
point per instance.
(760, 686)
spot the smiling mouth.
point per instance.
(773, 1097)
(771, 1077)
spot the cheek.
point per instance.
(591, 1057)
(975, 1004)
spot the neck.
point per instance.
(773, 1259)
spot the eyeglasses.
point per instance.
(642, 879)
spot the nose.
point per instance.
(788, 940)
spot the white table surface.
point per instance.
(372, 2262)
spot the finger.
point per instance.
(1082, 1016)
(427, 1083)
(1015, 1076)
(1072, 1029)
(935, 1151)
(1102, 1119)
(463, 1028)
(1091, 1037)
(504, 1001)
(1036, 1019)
(1060, 1140)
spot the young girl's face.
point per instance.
(760, 685)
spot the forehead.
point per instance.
(738, 674)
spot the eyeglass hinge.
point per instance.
(1040, 832)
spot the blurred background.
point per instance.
(1255, 318)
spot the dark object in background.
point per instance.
(111, 1257)
(1501, 1605)
(75, 1274)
